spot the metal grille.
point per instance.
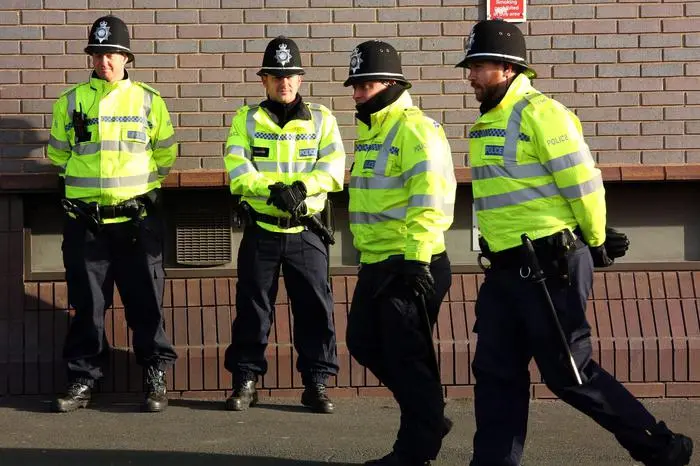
(203, 234)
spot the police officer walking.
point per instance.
(533, 174)
(113, 139)
(402, 194)
(282, 157)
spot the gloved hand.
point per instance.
(417, 277)
(616, 243)
(600, 256)
(285, 197)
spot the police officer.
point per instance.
(282, 157)
(533, 173)
(402, 194)
(114, 142)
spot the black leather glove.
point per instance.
(287, 198)
(417, 277)
(600, 256)
(616, 243)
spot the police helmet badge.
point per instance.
(283, 55)
(470, 42)
(355, 60)
(102, 33)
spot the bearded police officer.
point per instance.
(114, 142)
(402, 194)
(533, 174)
(282, 157)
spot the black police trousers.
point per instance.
(387, 335)
(304, 261)
(130, 255)
(514, 325)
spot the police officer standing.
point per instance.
(113, 139)
(402, 194)
(282, 157)
(533, 174)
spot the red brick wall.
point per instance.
(629, 69)
(646, 327)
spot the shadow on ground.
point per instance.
(43, 457)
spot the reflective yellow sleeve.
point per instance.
(329, 170)
(563, 151)
(430, 183)
(162, 137)
(59, 147)
(245, 178)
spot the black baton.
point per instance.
(537, 276)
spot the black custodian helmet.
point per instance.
(375, 60)
(282, 58)
(497, 40)
(109, 34)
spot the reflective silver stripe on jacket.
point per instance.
(238, 150)
(165, 143)
(530, 194)
(383, 154)
(432, 201)
(324, 167)
(285, 167)
(116, 146)
(329, 149)
(163, 171)
(58, 145)
(317, 117)
(367, 218)
(242, 169)
(119, 182)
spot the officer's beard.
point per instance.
(494, 94)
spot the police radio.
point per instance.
(80, 125)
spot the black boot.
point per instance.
(77, 396)
(156, 393)
(393, 459)
(316, 399)
(677, 452)
(244, 395)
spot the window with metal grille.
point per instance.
(203, 232)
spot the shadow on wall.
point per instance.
(43, 457)
(38, 367)
(23, 144)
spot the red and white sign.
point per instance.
(512, 11)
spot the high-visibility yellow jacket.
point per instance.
(402, 188)
(132, 145)
(260, 153)
(532, 172)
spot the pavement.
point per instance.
(111, 432)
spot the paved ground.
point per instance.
(279, 432)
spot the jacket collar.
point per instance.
(520, 86)
(284, 113)
(389, 113)
(104, 87)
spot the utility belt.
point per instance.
(552, 252)
(92, 214)
(320, 224)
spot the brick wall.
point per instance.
(645, 325)
(631, 70)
